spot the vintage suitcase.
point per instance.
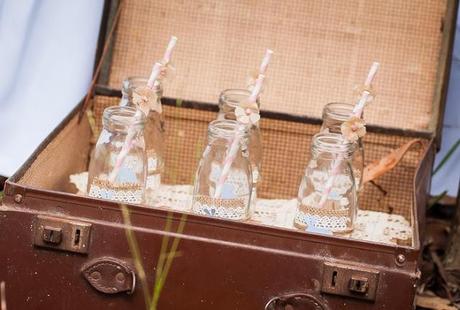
(64, 251)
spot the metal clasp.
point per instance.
(62, 234)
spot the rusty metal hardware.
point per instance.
(52, 234)
(110, 275)
(61, 234)
(359, 285)
(299, 301)
(350, 281)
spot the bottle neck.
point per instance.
(122, 119)
(229, 99)
(331, 146)
(334, 114)
(224, 131)
(131, 83)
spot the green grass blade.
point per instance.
(449, 153)
(172, 253)
(134, 248)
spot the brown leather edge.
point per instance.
(110, 11)
(411, 253)
(103, 31)
(448, 28)
(422, 185)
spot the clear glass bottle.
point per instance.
(120, 124)
(229, 99)
(334, 114)
(154, 137)
(335, 212)
(233, 203)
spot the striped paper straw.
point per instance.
(127, 145)
(235, 145)
(357, 111)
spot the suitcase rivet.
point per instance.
(18, 198)
(96, 275)
(400, 259)
(120, 277)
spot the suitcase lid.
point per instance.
(323, 50)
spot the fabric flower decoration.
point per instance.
(247, 113)
(353, 129)
(146, 99)
(168, 72)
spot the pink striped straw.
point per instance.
(357, 111)
(265, 61)
(156, 70)
(127, 145)
(234, 147)
(168, 53)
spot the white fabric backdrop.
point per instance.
(47, 54)
(47, 58)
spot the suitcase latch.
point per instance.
(61, 234)
(359, 285)
(350, 281)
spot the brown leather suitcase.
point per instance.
(60, 250)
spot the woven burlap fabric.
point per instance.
(221, 203)
(323, 49)
(324, 212)
(286, 151)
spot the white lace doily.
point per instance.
(370, 225)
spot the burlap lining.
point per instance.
(323, 49)
(286, 148)
(66, 154)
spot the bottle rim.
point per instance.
(135, 81)
(332, 143)
(340, 111)
(234, 96)
(123, 116)
(227, 129)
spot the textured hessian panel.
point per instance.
(286, 151)
(323, 49)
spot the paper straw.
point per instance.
(257, 89)
(169, 50)
(330, 181)
(156, 70)
(234, 147)
(127, 145)
(359, 107)
(357, 111)
(265, 61)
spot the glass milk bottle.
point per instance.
(334, 114)
(235, 188)
(154, 136)
(228, 100)
(111, 175)
(327, 194)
